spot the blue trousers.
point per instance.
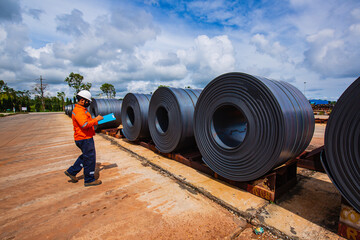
(86, 160)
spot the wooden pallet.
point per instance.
(270, 187)
(321, 120)
(349, 221)
(311, 160)
(114, 132)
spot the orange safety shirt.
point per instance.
(83, 123)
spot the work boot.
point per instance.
(73, 178)
(94, 183)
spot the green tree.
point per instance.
(68, 101)
(2, 96)
(37, 104)
(11, 97)
(108, 89)
(75, 80)
(2, 85)
(61, 96)
(23, 99)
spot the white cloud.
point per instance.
(137, 48)
(332, 54)
(355, 29)
(3, 36)
(14, 39)
(274, 49)
(10, 11)
(323, 35)
(141, 87)
(73, 23)
(208, 57)
(356, 13)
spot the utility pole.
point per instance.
(304, 88)
(40, 88)
(42, 93)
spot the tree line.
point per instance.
(15, 100)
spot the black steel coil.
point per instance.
(68, 109)
(103, 107)
(134, 116)
(246, 125)
(171, 113)
(342, 145)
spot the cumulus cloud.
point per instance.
(10, 11)
(126, 28)
(35, 13)
(355, 29)
(13, 39)
(73, 23)
(105, 39)
(356, 13)
(334, 55)
(208, 57)
(274, 49)
(141, 86)
(132, 46)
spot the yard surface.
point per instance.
(37, 201)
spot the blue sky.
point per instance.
(138, 45)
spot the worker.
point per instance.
(83, 134)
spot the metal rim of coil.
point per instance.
(103, 107)
(170, 119)
(245, 125)
(342, 145)
(134, 116)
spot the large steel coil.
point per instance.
(103, 107)
(342, 145)
(246, 125)
(134, 116)
(68, 109)
(171, 114)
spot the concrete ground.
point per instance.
(308, 211)
(137, 200)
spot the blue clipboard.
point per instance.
(107, 118)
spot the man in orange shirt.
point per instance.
(83, 134)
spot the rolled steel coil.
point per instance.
(342, 145)
(103, 107)
(68, 109)
(246, 125)
(171, 113)
(134, 116)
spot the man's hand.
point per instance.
(99, 117)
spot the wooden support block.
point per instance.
(311, 160)
(349, 222)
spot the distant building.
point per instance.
(318, 102)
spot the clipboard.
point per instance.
(107, 118)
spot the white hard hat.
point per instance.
(85, 94)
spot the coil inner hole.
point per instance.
(130, 116)
(229, 126)
(162, 120)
